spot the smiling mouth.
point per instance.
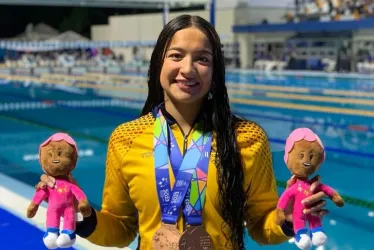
(56, 161)
(307, 164)
(187, 83)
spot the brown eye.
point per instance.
(311, 156)
(302, 155)
(59, 153)
(50, 154)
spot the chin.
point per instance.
(302, 175)
(187, 99)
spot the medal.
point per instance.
(166, 237)
(195, 237)
(187, 193)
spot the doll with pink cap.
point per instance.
(58, 157)
(304, 154)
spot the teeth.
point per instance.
(307, 164)
(188, 83)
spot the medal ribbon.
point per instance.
(190, 172)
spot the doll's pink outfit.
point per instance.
(299, 191)
(60, 203)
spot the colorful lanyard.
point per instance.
(190, 172)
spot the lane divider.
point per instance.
(304, 107)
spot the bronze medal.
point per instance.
(166, 238)
(195, 238)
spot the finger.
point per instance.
(52, 179)
(50, 184)
(291, 181)
(49, 180)
(315, 208)
(40, 185)
(321, 213)
(44, 178)
(316, 181)
(314, 198)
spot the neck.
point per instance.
(184, 114)
(303, 178)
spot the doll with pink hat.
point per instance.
(304, 155)
(58, 157)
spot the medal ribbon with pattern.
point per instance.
(190, 172)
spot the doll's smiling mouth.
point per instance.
(55, 161)
(307, 164)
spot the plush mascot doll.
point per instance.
(58, 156)
(304, 154)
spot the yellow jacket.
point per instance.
(130, 202)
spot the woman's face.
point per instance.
(186, 75)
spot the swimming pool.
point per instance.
(339, 109)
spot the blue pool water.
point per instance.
(29, 113)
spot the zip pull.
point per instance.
(185, 144)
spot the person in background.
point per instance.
(225, 186)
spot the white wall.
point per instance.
(142, 27)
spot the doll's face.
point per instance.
(58, 158)
(305, 158)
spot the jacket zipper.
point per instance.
(185, 140)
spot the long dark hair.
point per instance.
(228, 160)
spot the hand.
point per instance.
(31, 210)
(46, 180)
(314, 204)
(84, 208)
(338, 200)
(280, 216)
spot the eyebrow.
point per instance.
(199, 51)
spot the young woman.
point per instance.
(220, 177)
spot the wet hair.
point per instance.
(217, 113)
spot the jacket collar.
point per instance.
(171, 120)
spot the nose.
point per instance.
(187, 68)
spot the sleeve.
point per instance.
(262, 196)
(116, 225)
(78, 193)
(327, 190)
(39, 196)
(285, 198)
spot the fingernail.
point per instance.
(304, 201)
(304, 211)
